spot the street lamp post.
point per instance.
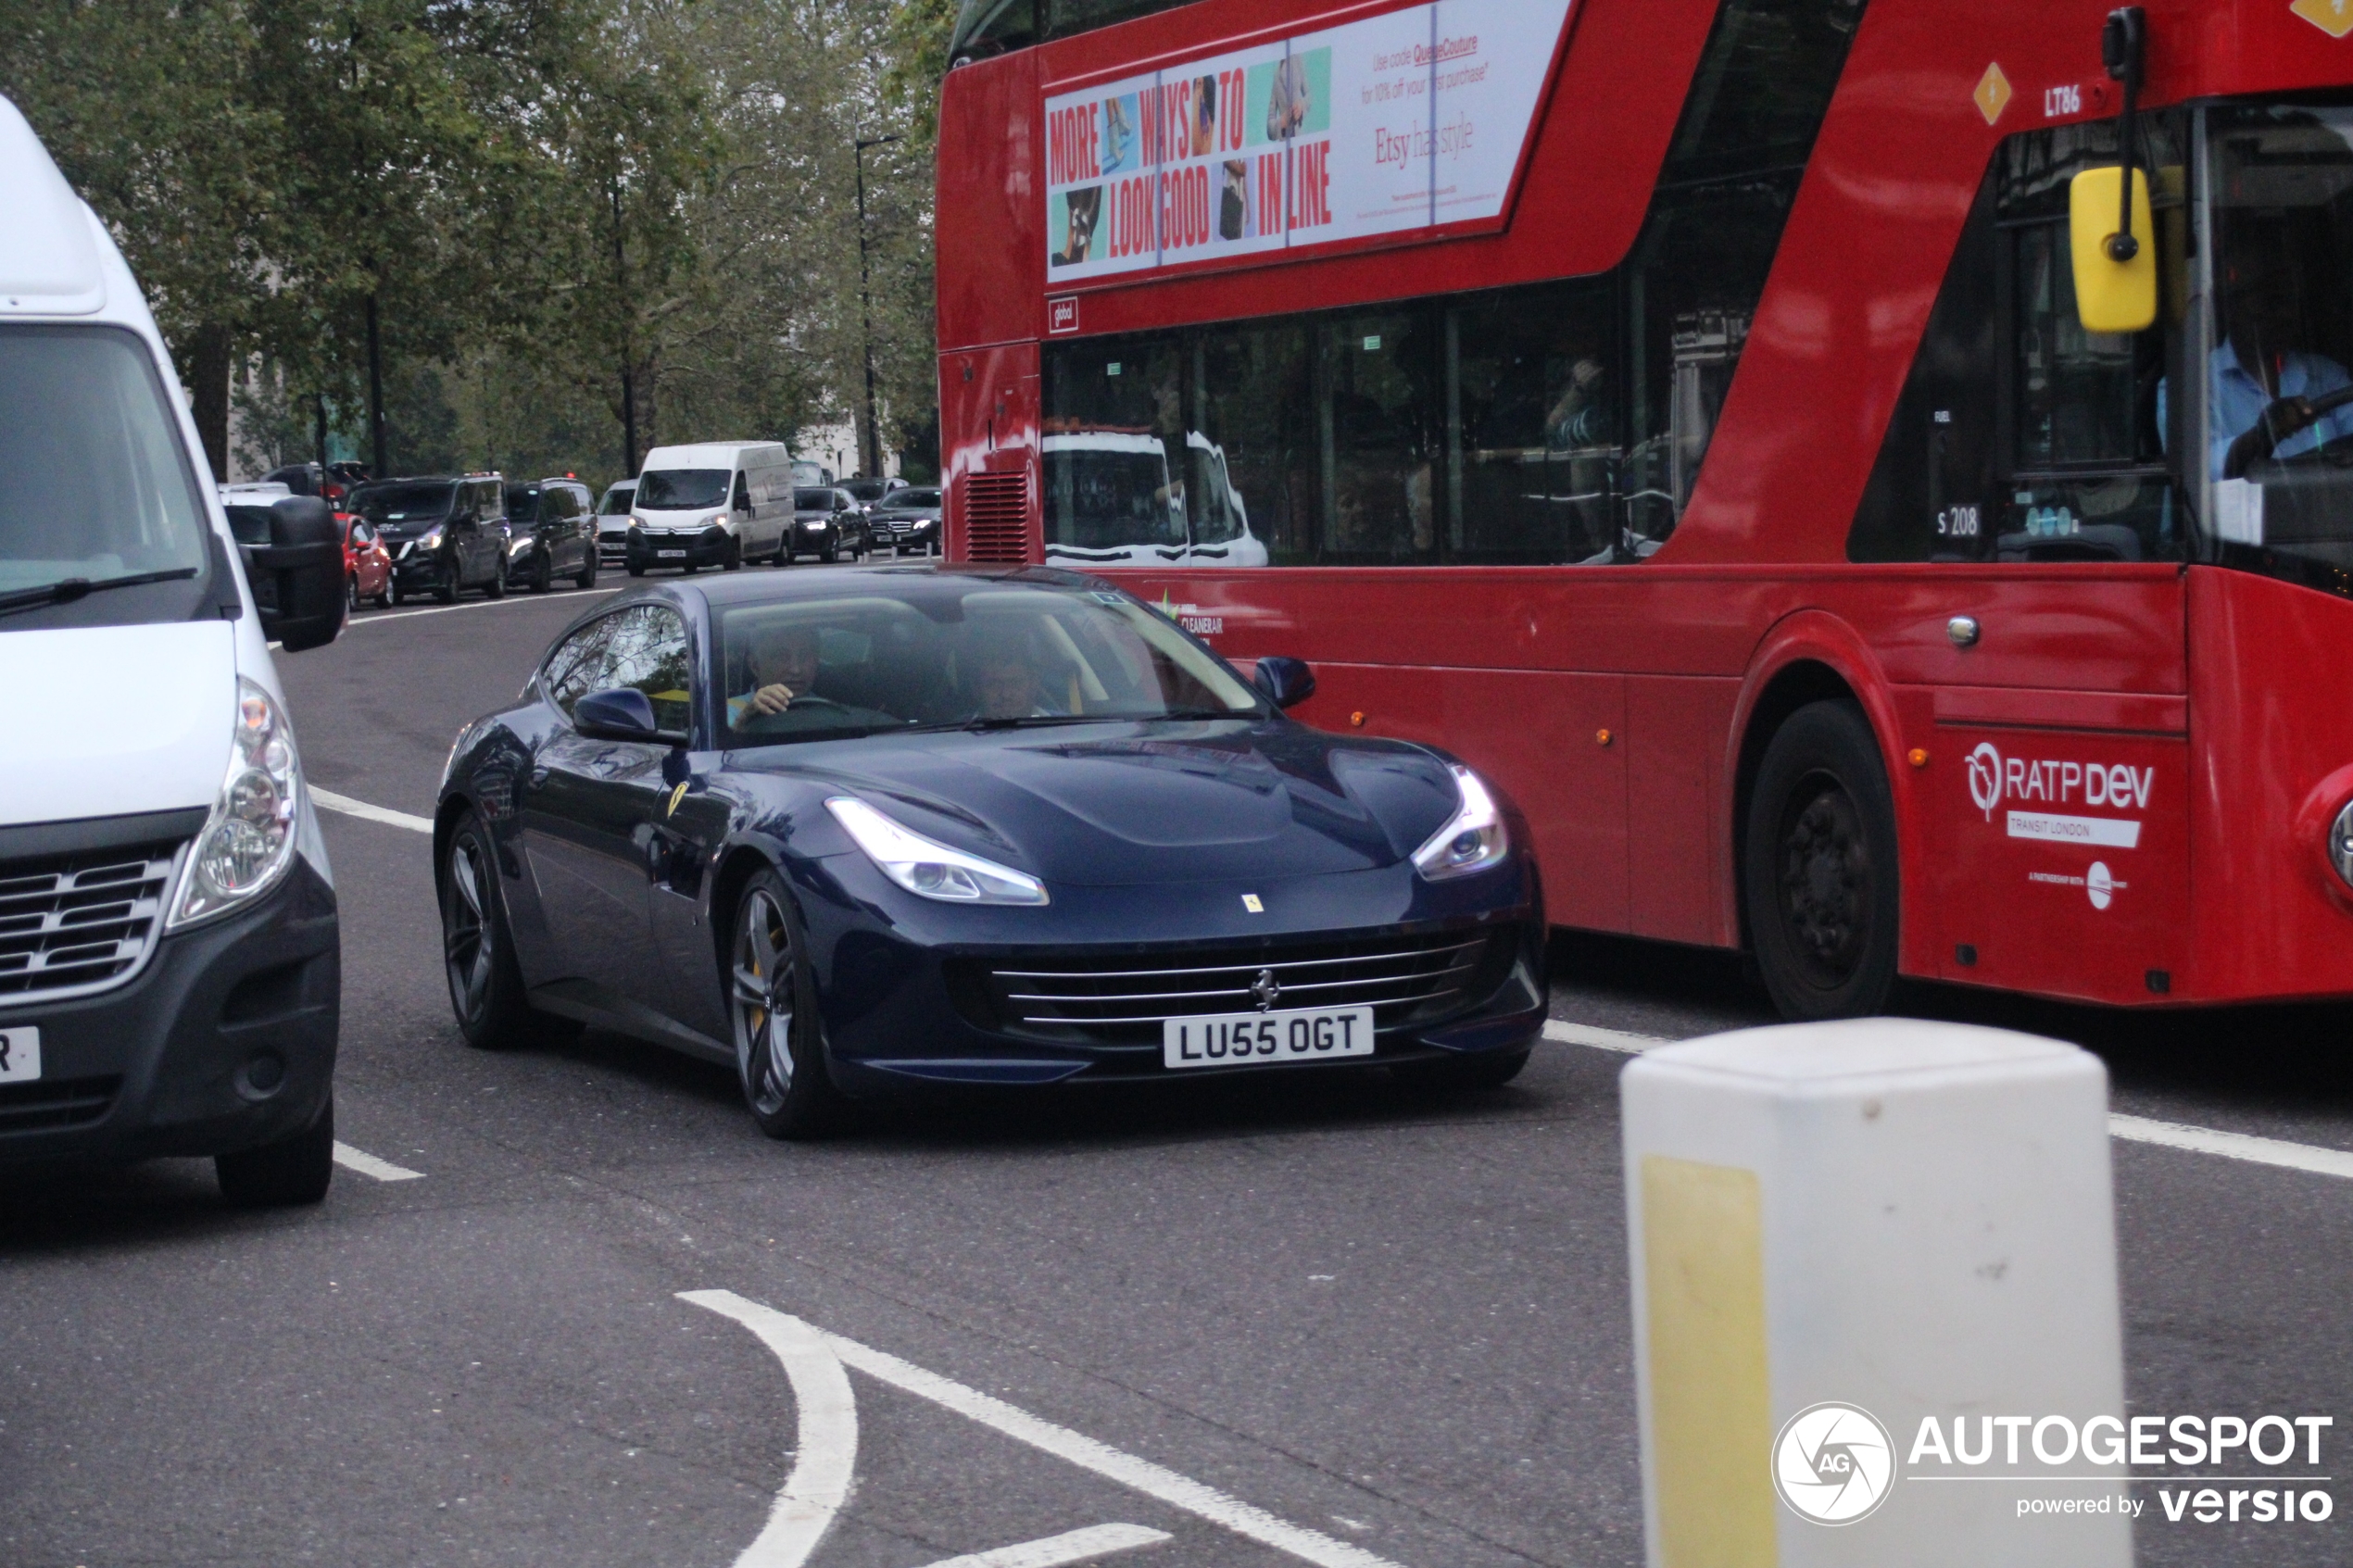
(870, 453)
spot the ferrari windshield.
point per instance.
(2278, 438)
(940, 652)
(93, 482)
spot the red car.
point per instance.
(367, 564)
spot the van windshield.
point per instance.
(398, 504)
(682, 490)
(94, 480)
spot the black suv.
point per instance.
(446, 533)
(826, 523)
(907, 519)
(551, 533)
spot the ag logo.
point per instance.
(1834, 1464)
(1986, 777)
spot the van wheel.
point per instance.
(284, 1174)
(735, 558)
(780, 1058)
(1819, 868)
(544, 578)
(587, 578)
(445, 585)
(496, 587)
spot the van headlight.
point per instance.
(1472, 840)
(248, 841)
(929, 869)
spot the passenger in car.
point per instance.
(784, 666)
(1004, 679)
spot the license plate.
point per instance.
(1234, 1038)
(670, 555)
(19, 1055)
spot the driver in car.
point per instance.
(784, 666)
(2264, 384)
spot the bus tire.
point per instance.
(1819, 871)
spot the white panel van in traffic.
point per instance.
(169, 964)
(719, 504)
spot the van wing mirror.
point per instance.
(296, 578)
(2112, 296)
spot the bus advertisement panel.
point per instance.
(1409, 120)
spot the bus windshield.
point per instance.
(2279, 396)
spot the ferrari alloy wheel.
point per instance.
(485, 984)
(778, 1058)
(1819, 866)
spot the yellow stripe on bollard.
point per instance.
(1711, 1408)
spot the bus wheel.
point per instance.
(1819, 875)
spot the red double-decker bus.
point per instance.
(1761, 435)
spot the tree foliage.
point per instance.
(568, 219)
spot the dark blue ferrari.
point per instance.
(868, 830)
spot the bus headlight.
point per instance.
(2341, 843)
(1472, 840)
(248, 841)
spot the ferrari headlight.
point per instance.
(248, 841)
(1472, 840)
(928, 869)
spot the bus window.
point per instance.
(1372, 409)
(2021, 437)
(1533, 404)
(1253, 397)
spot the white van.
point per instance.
(1110, 502)
(719, 504)
(169, 964)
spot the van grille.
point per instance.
(997, 516)
(1121, 999)
(55, 1102)
(79, 923)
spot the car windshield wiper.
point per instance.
(1039, 721)
(67, 590)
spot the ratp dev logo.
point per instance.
(1986, 777)
(1834, 1464)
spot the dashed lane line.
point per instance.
(1075, 1447)
(2308, 1158)
(367, 1165)
(825, 1452)
(1078, 1545)
(360, 808)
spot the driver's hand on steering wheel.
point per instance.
(2288, 417)
(772, 699)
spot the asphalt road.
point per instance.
(1317, 1304)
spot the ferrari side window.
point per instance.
(582, 663)
(650, 653)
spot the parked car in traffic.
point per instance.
(808, 470)
(445, 532)
(169, 956)
(551, 533)
(903, 827)
(869, 493)
(907, 518)
(827, 524)
(612, 523)
(367, 564)
(719, 504)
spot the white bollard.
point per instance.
(1840, 1232)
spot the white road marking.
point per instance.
(511, 598)
(367, 1164)
(1569, 1034)
(2308, 1158)
(2234, 1145)
(385, 815)
(1079, 1545)
(825, 1452)
(1139, 1474)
